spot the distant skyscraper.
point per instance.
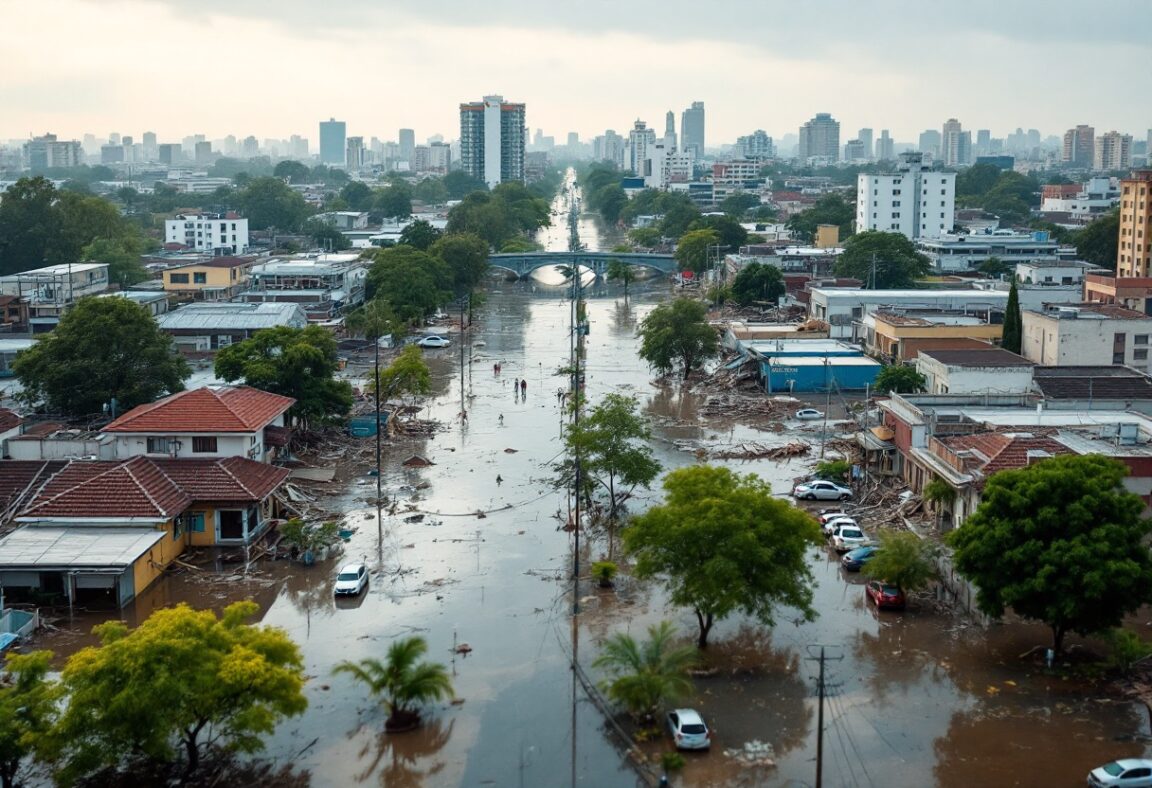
(1079, 146)
(1113, 152)
(407, 144)
(820, 139)
(332, 141)
(670, 130)
(930, 143)
(298, 147)
(885, 147)
(354, 154)
(203, 152)
(854, 151)
(692, 129)
(609, 147)
(1134, 255)
(955, 144)
(573, 139)
(983, 141)
(492, 140)
(757, 146)
(865, 137)
(43, 152)
(169, 153)
(249, 148)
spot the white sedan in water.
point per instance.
(809, 414)
(433, 340)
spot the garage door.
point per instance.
(95, 581)
(20, 579)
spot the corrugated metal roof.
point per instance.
(253, 316)
(76, 548)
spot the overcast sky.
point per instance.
(276, 67)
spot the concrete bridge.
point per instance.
(525, 263)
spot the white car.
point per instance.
(1127, 772)
(821, 490)
(351, 579)
(809, 414)
(433, 340)
(831, 514)
(688, 730)
(831, 525)
(848, 537)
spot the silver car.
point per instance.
(821, 490)
(688, 730)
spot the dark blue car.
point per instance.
(854, 560)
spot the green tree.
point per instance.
(358, 196)
(732, 235)
(897, 263)
(977, 180)
(611, 441)
(994, 267)
(1013, 334)
(180, 682)
(695, 248)
(1060, 541)
(757, 282)
(644, 236)
(898, 379)
(829, 209)
(29, 223)
(466, 256)
(269, 202)
(84, 219)
(723, 543)
(28, 709)
(395, 201)
(103, 349)
(420, 234)
(648, 675)
(122, 256)
(326, 235)
(610, 201)
(738, 204)
(1098, 243)
(414, 283)
(430, 191)
(292, 171)
(677, 335)
(460, 184)
(904, 560)
(620, 271)
(401, 681)
(407, 376)
(294, 362)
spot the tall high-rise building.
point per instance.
(885, 147)
(820, 139)
(407, 144)
(492, 140)
(640, 142)
(670, 130)
(930, 143)
(914, 201)
(40, 153)
(169, 153)
(354, 154)
(249, 148)
(955, 144)
(756, 146)
(983, 141)
(865, 137)
(1134, 252)
(332, 141)
(1113, 152)
(203, 152)
(609, 147)
(1079, 146)
(298, 147)
(692, 129)
(854, 151)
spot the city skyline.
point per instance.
(995, 74)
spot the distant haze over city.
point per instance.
(272, 69)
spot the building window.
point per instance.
(205, 444)
(200, 278)
(1140, 339)
(1140, 355)
(159, 445)
(178, 279)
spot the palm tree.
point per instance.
(647, 675)
(618, 269)
(401, 681)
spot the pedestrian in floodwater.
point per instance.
(495, 369)
(498, 480)
(501, 420)
(523, 386)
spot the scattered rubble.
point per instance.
(753, 754)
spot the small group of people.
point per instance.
(496, 368)
(520, 385)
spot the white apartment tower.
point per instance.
(492, 140)
(913, 201)
(955, 144)
(212, 233)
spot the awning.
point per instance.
(871, 443)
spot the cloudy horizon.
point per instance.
(273, 69)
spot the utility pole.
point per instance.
(820, 710)
(463, 402)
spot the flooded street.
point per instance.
(916, 698)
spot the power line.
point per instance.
(820, 709)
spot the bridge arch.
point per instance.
(524, 263)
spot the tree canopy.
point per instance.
(620, 271)
(419, 234)
(829, 209)
(407, 376)
(414, 283)
(402, 681)
(731, 235)
(897, 263)
(898, 379)
(1013, 333)
(722, 543)
(1099, 242)
(647, 675)
(208, 679)
(28, 709)
(466, 256)
(903, 559)
(677, 335)
(696, 248)
(1060, 542)
(757, 282)
(103, 349)
(505, 213)
(293, 362)
(269, 202)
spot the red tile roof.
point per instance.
(9, 420)
(1005, 451)
(229, 409)
(151, 489)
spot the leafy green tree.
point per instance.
(644, 236)
(103, 349)
(420, 234)
(620, 271)
(610, 201)
(1013, 333)
(994, 267)
(1060, 541)
(677, 335)
(292, 171)
(122, 256)
(897, 263)
(128, 196)
(269, 202)
(395, 201)
(757, 282)
(612, 443)
(829, 209)
(407, 376)
(402, 681)
(977, 180)
(28, 709)
(430, 191)
(899, 379)
(648, 675)
(695, 248)
(414, 283)
(180, 682)
(84, 219)
(738, 204)
(466, 256)
(357, 195)
(723, 543)
(294, 362)
(732, 235)
(1098, 243)
(329, 176)
(326, 235)
(678, 215)
(904, 560)
(460, 184)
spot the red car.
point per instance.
(885, 595)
